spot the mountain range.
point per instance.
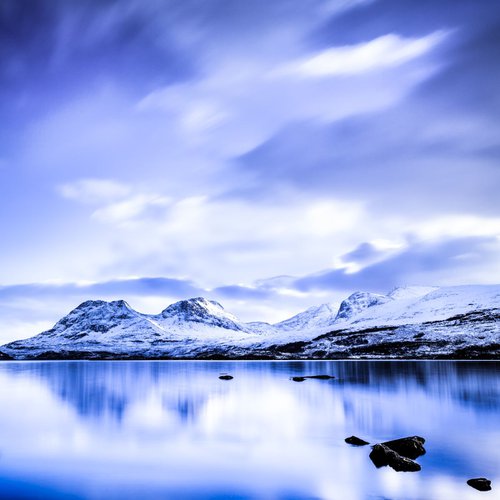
(409, 322)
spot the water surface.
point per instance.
(120, 430)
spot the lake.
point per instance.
(172, 429)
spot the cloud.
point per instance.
(117, 202)
(448, 261)
(382, 52)
(405, 158)
(94, 190)
(127, 286)
(130, 208)
(372, 19)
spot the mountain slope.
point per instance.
(358, 302)
(409, 322)
(315, 317)
(447, 322)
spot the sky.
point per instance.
(268, 155)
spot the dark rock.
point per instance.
(409, 447)
(480, 483)
(318, 377)
(226, 377)
(381, 455)
(5, 357)
(356, 441)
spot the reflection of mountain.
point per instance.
(105, 390)
(468, 382)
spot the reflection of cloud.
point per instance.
(172, 428)
(102, 390)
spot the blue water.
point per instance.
(173, 430)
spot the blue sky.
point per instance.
(270, 155)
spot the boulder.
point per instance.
(381, 455)
(226, 377)
(480, 483)
(356, 441)
(318, 377)
(409, 447)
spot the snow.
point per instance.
(314, 317)
(439, 304)
(410, 292)
(358, 302)
(198, 325)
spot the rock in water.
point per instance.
(409, 447)
(226, 377)
(382, 455)
(356, 441)
(319, 377)
(480, 483)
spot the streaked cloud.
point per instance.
(382, 52)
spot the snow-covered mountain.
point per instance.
(459, 321)
(358, 302)
(317, 317)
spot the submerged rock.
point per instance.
(318, 377)
(409, 447)
(480, 483)
(356, 441)
(226, 377)
(382, 455)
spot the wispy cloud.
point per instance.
(94, 190)
(382, 52)
(116, 202)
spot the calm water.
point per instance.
(174, 430)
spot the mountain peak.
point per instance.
(359, 301)
(96, 304)
(314, 317)
(200, 310)
(194, 305)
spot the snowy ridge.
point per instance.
(315, 317)
(358, 302)
(411, 292)
(437, 305)
(461, 316)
